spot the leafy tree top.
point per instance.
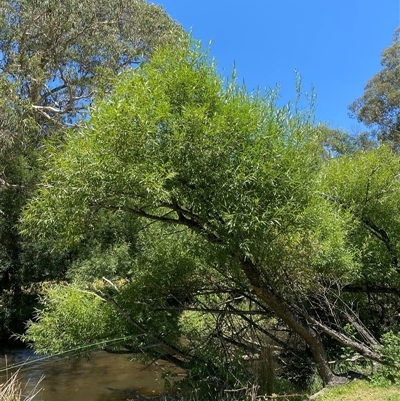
(379, 107)
(177, 143)
(57, 54)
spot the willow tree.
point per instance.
(366, 185)
(54, 57)
(177, 145)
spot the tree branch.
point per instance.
(5, 183)
(375, 230)
(375, 289)
(141, 328)
(181, 220)
(343, 339)
(382, 235)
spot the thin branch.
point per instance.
(141, 328)
(180, 221)
(5, 183)
(48, 109)
(181, 212)
(47, 117)
(382, 235)
(209, 310)
(51, 92)
(343, 339)
(375, 230)
(375, 289)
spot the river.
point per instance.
(87, 379)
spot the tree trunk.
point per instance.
(308, 334)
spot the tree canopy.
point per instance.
(225, 193)
(56, 54)
(378, 108)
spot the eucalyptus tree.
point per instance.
(54, 57)
(176, 145)
(378, 108)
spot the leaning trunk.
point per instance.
(308, 334)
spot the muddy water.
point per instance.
(83, 379)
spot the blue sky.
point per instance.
(335, 45)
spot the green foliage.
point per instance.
(60, 53)
(224, 193)
(71, 318)
(114, 263)
(366, 186)
(379, 106)
(143, 284)
(174, 135)
(389, 373)
(391, 347)
(338, 142)
(55, 56)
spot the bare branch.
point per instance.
(5, 183)
(343, 339)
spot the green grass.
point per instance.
(361, 390)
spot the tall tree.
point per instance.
(54, 57)
(379, 107)
(177, 145)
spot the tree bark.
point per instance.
(307, 333)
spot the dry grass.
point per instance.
(13, 390)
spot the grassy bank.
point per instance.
(361, 390)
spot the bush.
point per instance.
(390, 373)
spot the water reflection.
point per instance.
(86, 379)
